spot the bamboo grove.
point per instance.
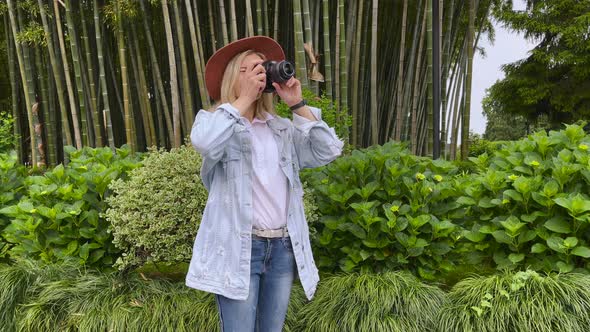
(112, 72)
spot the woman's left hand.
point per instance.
(290, 91)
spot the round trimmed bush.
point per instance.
(156, 213)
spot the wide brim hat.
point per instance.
(215, 67)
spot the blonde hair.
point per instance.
(229, 93)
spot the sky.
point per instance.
(508, 47)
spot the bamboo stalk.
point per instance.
(299, 50)
(211, 25)
(69, 85)
(467, 91)
(142, 91)
(24, 81)
(187, 98)
(223, 21)
(233, 23)
(308, 41)
(198, 53)
(276, 21)
(91, 83)
(54, 146)
(128, 119)
(249, 20)
(14, 83)
(430, 105)
(355, 80)
(173, 75)
(57, 77)
(374, 105)
(400, 75)
(49, 129)
(327, 54)
(259, 24)
(414, 129)
(102, 78)
(73, 37)
(161, 96)
(343, 59)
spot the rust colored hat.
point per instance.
(217, 62)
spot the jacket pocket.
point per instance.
(232, 163)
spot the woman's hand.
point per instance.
(290, 91)
(251, 86)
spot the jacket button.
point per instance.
(296, 243)
(283, 158)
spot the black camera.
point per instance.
(277, 72)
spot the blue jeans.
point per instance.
(272, 271)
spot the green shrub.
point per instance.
(59, 214)
(388, 302)
(528, 204)
(156, 213)
(525, 206)
(12, 177)
(385, 209)
(519, 302)
(478, 145)
(7, 139)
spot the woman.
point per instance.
(253, 240)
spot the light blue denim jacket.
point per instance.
(220, 261)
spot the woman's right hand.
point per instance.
(251, 86)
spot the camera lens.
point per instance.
(286, 70)
(278, 72)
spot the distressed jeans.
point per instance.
(272, 271)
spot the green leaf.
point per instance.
(464, 200)
(26, 206)
(502, 237)
(419, 221)
(58, 171)
(581, 251)
(564, 267)
(570, 242)
(364, 254)
(523, 185)
(331, 222)
(379, 243)
(87, 232)
(347, 265)
(474, 236)
(486, 203)
(512, 225)
(558, 224)
(515, 195)
(84, 251)
(368, 189)
(538, 248)
(11, 211)
(526, 236)
(515, 258)
(551, 188)
(71, 248)
(439, 248)
(556, 244)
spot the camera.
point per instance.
(277, 72)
